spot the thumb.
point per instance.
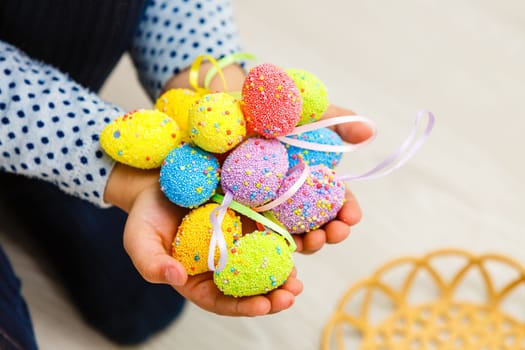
(353, 132)
(149, 252)
(153, 262)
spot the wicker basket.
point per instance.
(477, 302)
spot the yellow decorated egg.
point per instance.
(191, 244)
(217, 123)
(176, 103)
(140, 139)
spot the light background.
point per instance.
(461, 59)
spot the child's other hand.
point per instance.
(350, 214)
(354, 132)
(152, 223)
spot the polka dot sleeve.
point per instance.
(49, 127)
(172, 33)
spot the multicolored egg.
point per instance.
(140, 139)
(217, 123)
(254, 170)
(270, 101)
(176, 103)
(313, 93)
(189, 176)
(192, 241)
(257, 263)
(316, 202)
(310, 157)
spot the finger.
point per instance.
(280, 299)
(336, 231)
(203, 292)
(353, 132)
(148, 233)
(284, 297)
(336, 111)
(298, 239)
(293, 285)
(313, 241)
(350, 213)
(148, 253)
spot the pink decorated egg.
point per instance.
(316, 202)
(254, 170)
(271, 102)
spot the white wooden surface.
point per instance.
(462, 59)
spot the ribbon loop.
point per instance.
(217, 238)
(398, 158)
(290, 191)
(323, 123)
(251, 214)
(194, 74)
(226, 61)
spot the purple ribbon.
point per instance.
(409, 141)
(323, 123)
(305, 172)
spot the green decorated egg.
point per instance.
(257, 263)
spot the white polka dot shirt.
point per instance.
(50, 125)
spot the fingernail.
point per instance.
(172, 277)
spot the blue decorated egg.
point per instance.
(189, 176)
(322, 136)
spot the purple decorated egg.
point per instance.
(254, 170)
(315, 203)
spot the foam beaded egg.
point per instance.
(176, 103)
(254, 170)
(315, 203)
(270, 101)
(141, 138)
(313, 93)
(189, 176)
(192, 241)
(323, 136)
(216, 123)
(257, 263)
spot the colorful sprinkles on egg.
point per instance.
(322, 136)
(189, 176)
(141, 138)
(270, 101)
(313, 93)
(316, 202)
(216, 123)
(192, 241)
(257, 263)
(176, 103)
(254, 170)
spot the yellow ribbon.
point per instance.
(226, 61)
(216, 68)
(194, 74)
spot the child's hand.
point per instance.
(152, 223)
(337, 230)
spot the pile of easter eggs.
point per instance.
(215, 143)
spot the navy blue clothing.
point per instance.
(84, 244)
(87, 47)
(16, 330)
